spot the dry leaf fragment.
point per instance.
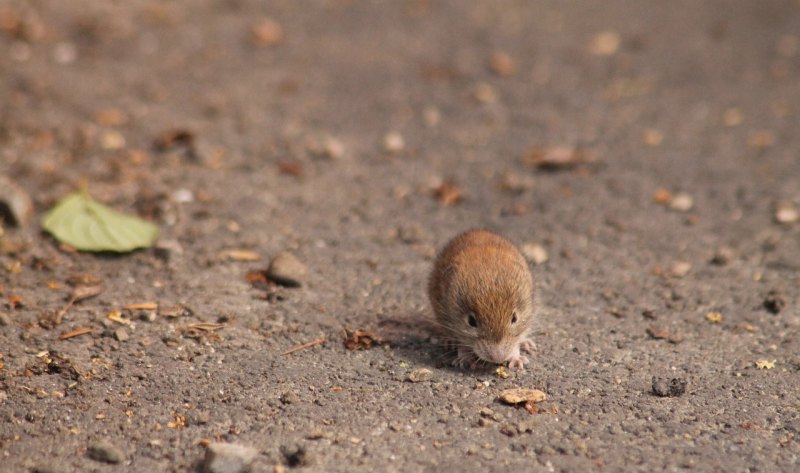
(241, 255)
(142, 306)
(448, 193)
(557, 157)
(714, 317)
(361, 340)
(502, 372)
(177, 310)
(82, 293)
(520, 395)
(75, 333)
(765, 364)
(116, 316)
(205, 326)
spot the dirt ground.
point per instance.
(361, 136)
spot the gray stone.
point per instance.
(105, 452)
(228, 458)
(287, 270)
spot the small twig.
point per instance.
(75, 333)
(303, 346)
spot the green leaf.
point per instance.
(80, 221)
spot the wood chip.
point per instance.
(75, 333)
(241, 255)
(205, 326)
(303, 346)
(142, 306)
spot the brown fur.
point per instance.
(481, 272)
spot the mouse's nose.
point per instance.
(497, 354)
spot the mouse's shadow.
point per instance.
(414, 337)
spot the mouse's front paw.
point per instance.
(518, 362)
(527, 345)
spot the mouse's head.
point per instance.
(491, 315)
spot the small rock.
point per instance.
(535, 253)
(419, 375)
(520, 395)
(289, 397)
(722, 256)
(413, 233)
(664, 387)
(774, 302)
(605, 43)
(16, 206)
(680, 269)
(267, 32)
(786, 212)
(501, 64)
(296, 456)
(103, 451)
(393, 142)
(287, 270)
(228, 458)
(121, 335)
(682, 202)
(485, 93)
(5, 319)
(326, 147)
(200, 418)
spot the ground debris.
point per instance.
(664, 387)
(104, 451)
(228, 458)
(296, 456)
(515, 396)
(303, 346)
(419, 375)
(362, 340)
(75, 333)
(285, 269)
(765, 364)
(558, 158)
(774, 301)
(16, 206)
(448, 193)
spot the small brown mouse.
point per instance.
(481, 291)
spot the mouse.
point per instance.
(482, 294)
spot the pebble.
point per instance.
(680, 269)
(664, 387)
(121, 335)
(105, 452)
(722, 256)
(605, 43)
(485, 93)
(393, 142)
(228, 458)
(682, 202)
(535, 253)
(501, 64)
(326, 147)
(296, 456)
(774, 302)
(420, 375)
(5, 319)
(267, 32)
(786, 213)
(285, 269)
(16, 206)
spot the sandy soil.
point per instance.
(687, 110)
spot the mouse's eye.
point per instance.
(471, 320)
(514, 317)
